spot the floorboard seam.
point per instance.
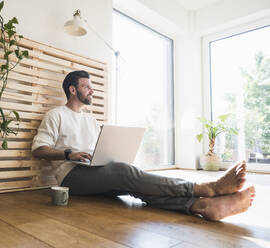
(27, 234)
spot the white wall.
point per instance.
(43, 21)
(168, 19)
(188, 98)
(170, 10)
(230, 13)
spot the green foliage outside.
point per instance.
(256, 109)
(257, 104)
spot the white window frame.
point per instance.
(206, 108)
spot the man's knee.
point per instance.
(122, 168)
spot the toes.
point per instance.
(241, 174)
(251, 190)
(241, 183)
(241, 170)
(234, 167)
(253, 194)
(242, 165)
(241, 180)
(238, 166)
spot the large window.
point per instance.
(144, 95)
(240, 85)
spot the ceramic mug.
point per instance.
(59, 196)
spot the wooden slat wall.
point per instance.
(34, 87)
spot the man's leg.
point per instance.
(230, 182)
(124, 177)
(218, 199)
(161, 192)
(158, 191)
(217, 208)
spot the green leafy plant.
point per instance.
(213, 129)
(10, 55)
(4, 127)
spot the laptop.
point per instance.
(115, 143)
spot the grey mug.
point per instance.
(59, 196)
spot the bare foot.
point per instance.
(230, 182)
(217, 208)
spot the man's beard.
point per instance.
(84, 100)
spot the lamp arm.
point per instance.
(116, 53)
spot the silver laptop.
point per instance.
(116, 143)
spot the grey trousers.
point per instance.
(121, 179)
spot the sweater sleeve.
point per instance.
(48, 133)
(97, 127)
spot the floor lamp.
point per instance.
(78, 27)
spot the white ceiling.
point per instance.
(196, 4)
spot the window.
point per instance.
(240, 85)
(145, 88)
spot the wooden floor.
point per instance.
(27, 219)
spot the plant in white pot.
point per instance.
(210, 160)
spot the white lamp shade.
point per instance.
(76, 26)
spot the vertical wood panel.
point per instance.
(34, 87)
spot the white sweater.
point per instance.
(62, 128)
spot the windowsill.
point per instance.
(170, 167)
(251, 167)
(203, 176)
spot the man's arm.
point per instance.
(48, 153)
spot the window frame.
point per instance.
(206, 71)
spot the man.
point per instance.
(66, 133)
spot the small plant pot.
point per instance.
(210, 162)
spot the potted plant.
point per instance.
(11, 55)
(210, 160)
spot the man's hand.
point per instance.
(80, 156)
(45, 152)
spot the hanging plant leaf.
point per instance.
(12, 43)
(2, 114)
(1, 5)
(4, 67)
(7, 54)
(10, 33)
(25, 53)
(8, 39)
(16, 115)
(5, 144)
(14, 20)
(9, 26)
(17, 52)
